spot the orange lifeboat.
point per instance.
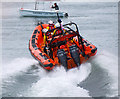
(68, 48)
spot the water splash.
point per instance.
(60, 83)
(17, 65)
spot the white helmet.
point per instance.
(44, 30)
(50, 22)
(57, 24)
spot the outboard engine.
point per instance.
(62, 57)
(75, 54)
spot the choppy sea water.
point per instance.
(23, 77)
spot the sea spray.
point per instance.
(60, 83)
(16, 65)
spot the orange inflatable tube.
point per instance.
(36, 47)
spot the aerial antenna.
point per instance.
(35, 4)
(59, 20)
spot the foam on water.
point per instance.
(16, 65)
(60, 83)
(55, 83)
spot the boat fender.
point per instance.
(38, 31)
(90, 46)
(33, 36)
(35, 32)
(93, 50)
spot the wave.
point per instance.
(55, 83)
(95, 78)
(17, 65)
(60, 83)
(109, 63)
(103, 79)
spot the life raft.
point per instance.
(68, 49)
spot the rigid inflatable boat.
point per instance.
(68, 48)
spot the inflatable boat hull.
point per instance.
(74, 56)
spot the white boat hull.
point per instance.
(40, 13)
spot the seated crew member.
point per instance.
(57, 25)
(55, 6)
(47, 34)
(57, 31)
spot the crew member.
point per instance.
(48, 34)
(58, 31)
(55, 6)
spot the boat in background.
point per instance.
(41, 13)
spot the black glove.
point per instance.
(59, 20)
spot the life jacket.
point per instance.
(58, 32)
(50, 27)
